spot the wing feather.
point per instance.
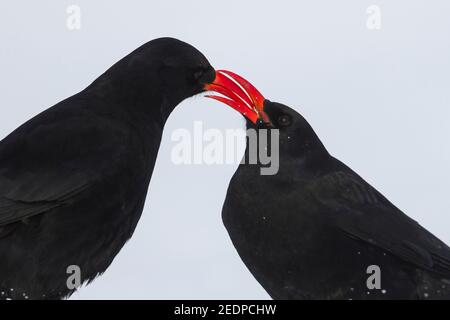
(364, 214)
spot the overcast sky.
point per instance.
(378, 98)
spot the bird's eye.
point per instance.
(284, 120)
(198, 74)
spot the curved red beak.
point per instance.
(239, 94)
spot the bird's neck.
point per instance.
(130, 95)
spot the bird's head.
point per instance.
(182, 70)
(164, 68)
(297, 138)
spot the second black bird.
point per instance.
(316, 229)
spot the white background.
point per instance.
(379, 100)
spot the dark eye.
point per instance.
(284, 120)
(198, 74)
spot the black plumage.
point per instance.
(312, 230)
(73, 180)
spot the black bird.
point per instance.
(316, 229)
(73, 180)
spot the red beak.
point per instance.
(239, 94)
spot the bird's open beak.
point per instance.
(239, 94)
